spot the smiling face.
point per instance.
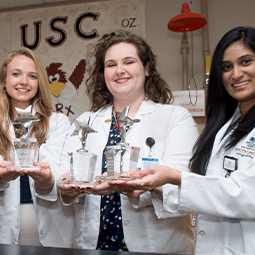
(21, 81)
(238, 74)
(124, 73)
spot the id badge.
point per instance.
(149, 162)
(229, 164)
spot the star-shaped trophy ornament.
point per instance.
(23, 122)
(82, 129)
(24, 144)
(123, 121)
(25, 115)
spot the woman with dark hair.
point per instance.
(30, 211)
(124, 74)
(221, 188)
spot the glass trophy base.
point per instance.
(25, 149)
(120, 177)
(121, 159)
(82, 167)
(79, 183)
(30, 167)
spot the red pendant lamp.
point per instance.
(186, 21)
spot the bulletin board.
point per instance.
(64, 38)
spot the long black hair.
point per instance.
(220, 105)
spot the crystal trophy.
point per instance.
(122, 158)
(24, 144)
(82, 162)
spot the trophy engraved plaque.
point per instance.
(24, 144)
(82, 162)
(122, 158)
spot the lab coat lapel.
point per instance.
(218, 142)
(105, 114)
(146, 108)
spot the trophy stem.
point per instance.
(124, 146)
(70, 154)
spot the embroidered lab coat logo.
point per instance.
(251, 143)
(248, 150)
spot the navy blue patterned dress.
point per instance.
(25, 193)
(111, 235)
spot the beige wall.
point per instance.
(166, 44)
(223, 15)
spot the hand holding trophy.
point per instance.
(25, 146)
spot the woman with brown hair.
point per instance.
(125, 75)
(24, 83)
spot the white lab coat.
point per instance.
(226, 206)
(55, 222)
(147, 227)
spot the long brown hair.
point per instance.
(41, 103)
(156, 89)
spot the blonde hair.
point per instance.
(41, 103)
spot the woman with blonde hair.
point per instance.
(24, 83)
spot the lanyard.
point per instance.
(231, 126)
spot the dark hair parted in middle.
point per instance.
(220, 105)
